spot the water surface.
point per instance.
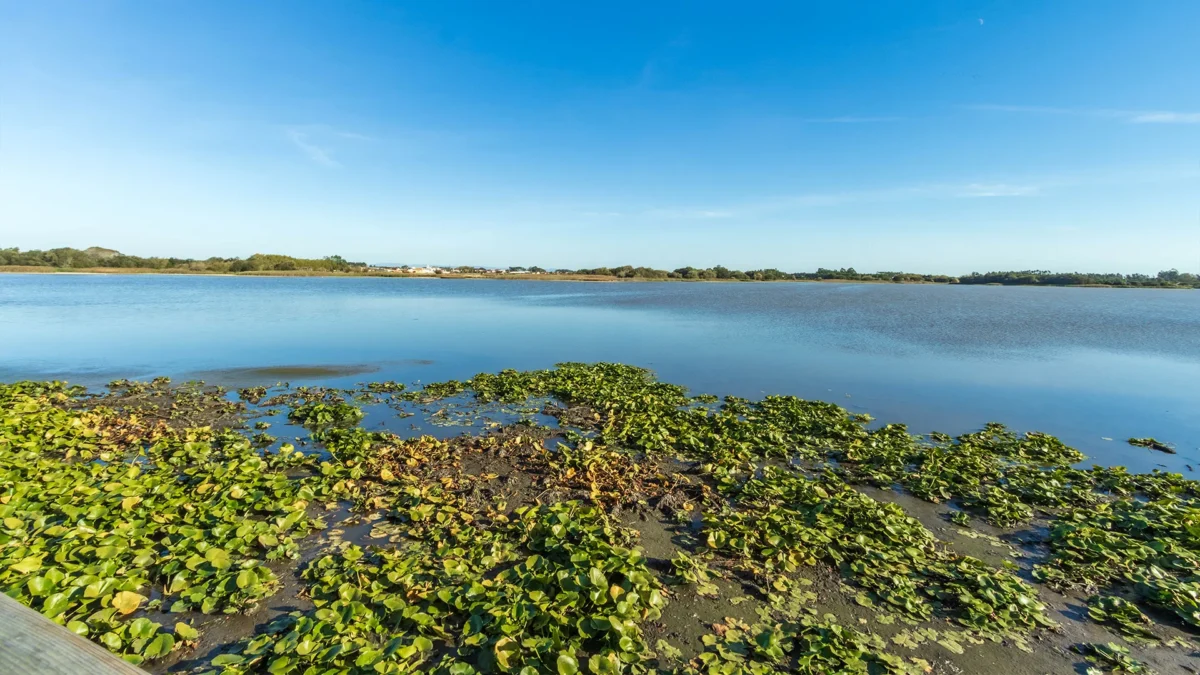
(1084, 364)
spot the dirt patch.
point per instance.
(189, 405)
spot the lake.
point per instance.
(1084, 364)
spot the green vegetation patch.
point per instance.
(514, 550)
(1152, 545)
(539, 593)
(101, 513)
(787, 520)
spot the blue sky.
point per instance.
(924, 136)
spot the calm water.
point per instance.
(1084, 364)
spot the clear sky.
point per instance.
(923, 136)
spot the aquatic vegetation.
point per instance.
(457, 595)
(787, 520)
(1154, 545)
(1112, 658)
(515, 547)
(693, 570)
(995, 472)
(1180, 595)
(252, 394)
(389, 387)
(789, 631)
(101, 513)
(814, 647)
(1122, 615)
(1153, 444)
(318, 415)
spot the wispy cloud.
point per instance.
(1022, 188)
(316, 153)
(319, 142)
(353, 136)
(688, 213)
(998, 190)
(1128, 116)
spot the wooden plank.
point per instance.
(30, 643)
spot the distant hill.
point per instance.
(102, 253)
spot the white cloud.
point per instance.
(1166, 118)
(1128, 116)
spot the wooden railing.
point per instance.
(31, 644)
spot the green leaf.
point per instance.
(567, 665)
(56, 604)
(39, 586)
(186, 632)
(159, 646)
(107, 552)
(142, 628)
(217, 557)
(112, 641)
(246, 578)
(29, 564)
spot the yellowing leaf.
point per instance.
(505, 649)
(127, 602)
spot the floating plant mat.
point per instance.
(582, 519)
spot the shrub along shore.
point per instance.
(109, 261)
(588, 519)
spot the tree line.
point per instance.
(96, 257)
(1169, 278)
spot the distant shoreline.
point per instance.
(22, 269)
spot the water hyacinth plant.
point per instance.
(132, 516)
